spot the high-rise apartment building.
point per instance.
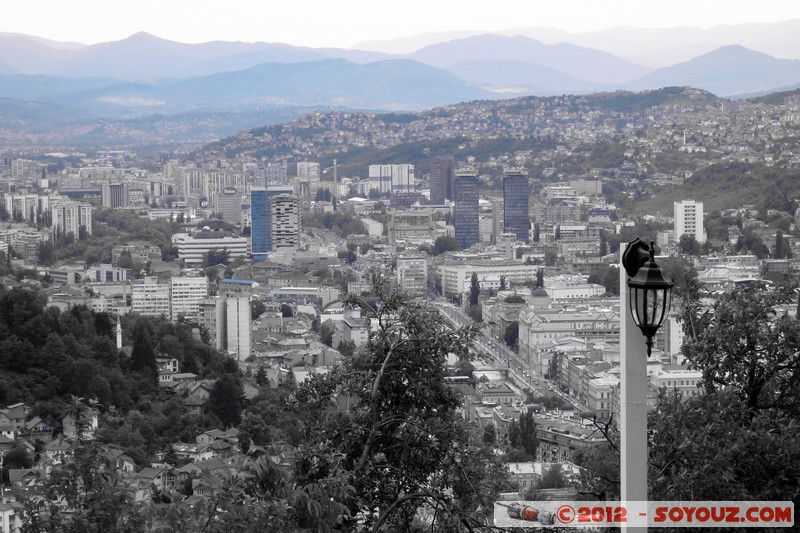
(689, 220)
(308, 169)
(285, 223)
(412, 273)
(150, 298)
(466, 210)
(186, 293)
(69, 217)
(400, 177)
(515, 203)
(441, 177)
(227, 320)
(261, 219)
(237, 325)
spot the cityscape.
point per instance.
(354, 319)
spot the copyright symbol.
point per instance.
(565, 514)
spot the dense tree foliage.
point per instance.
(401, 446)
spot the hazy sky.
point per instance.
(346, 23)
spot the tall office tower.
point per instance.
(498, 223)
(229, 204)
(114, 195)
(466, 216)
(237, 325)
(441, 179)
(689, 220)
(261, 219)
(515, 203)
(285, 214)
(186, 293)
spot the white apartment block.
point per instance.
(194, 248)
(575, 291)
(598, 396)
(187, 293)
(211, 315)
(410, 225)
(681, 380)
(237, 322)
(150, 298)
(689, 220)
(412, 273)
(401, 177)
(537, 326)
(68, 217)
(456, 277)
(308, 169)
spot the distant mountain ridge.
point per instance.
(145, 75)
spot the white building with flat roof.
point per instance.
(194, 247)
(689, 220)
(412, 273)
(186, 294)
(150, 298)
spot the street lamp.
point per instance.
(650, 291)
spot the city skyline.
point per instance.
(357, 23)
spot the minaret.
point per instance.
(119, 334)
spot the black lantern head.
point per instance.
(650, 291)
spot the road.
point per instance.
(505, 357)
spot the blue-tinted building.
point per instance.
(466, 217)
(515, 204)
(261, 215)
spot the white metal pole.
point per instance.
(633, 413)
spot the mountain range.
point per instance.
(145, 75)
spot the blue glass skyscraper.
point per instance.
(466, 211)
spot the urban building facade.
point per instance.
(689, 220)
(467, 210)
(441, 178)
(516, 190)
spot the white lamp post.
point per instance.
(644, 303)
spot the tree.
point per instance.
(46, 253)
(217, 257)
(262, 379)
(688, 245)
(257, 308)
(445, 244)
(515, 299)
(712, 444)
(503, 285)
(402, 446)
(782, 248)
(540, 278)
(143, 354)
(286, 311)
(226, 400)
(326, 333)
(522, 435)
(743, 344)
(511, 334)
(603, 244)
(550, 258)
(474, 289)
